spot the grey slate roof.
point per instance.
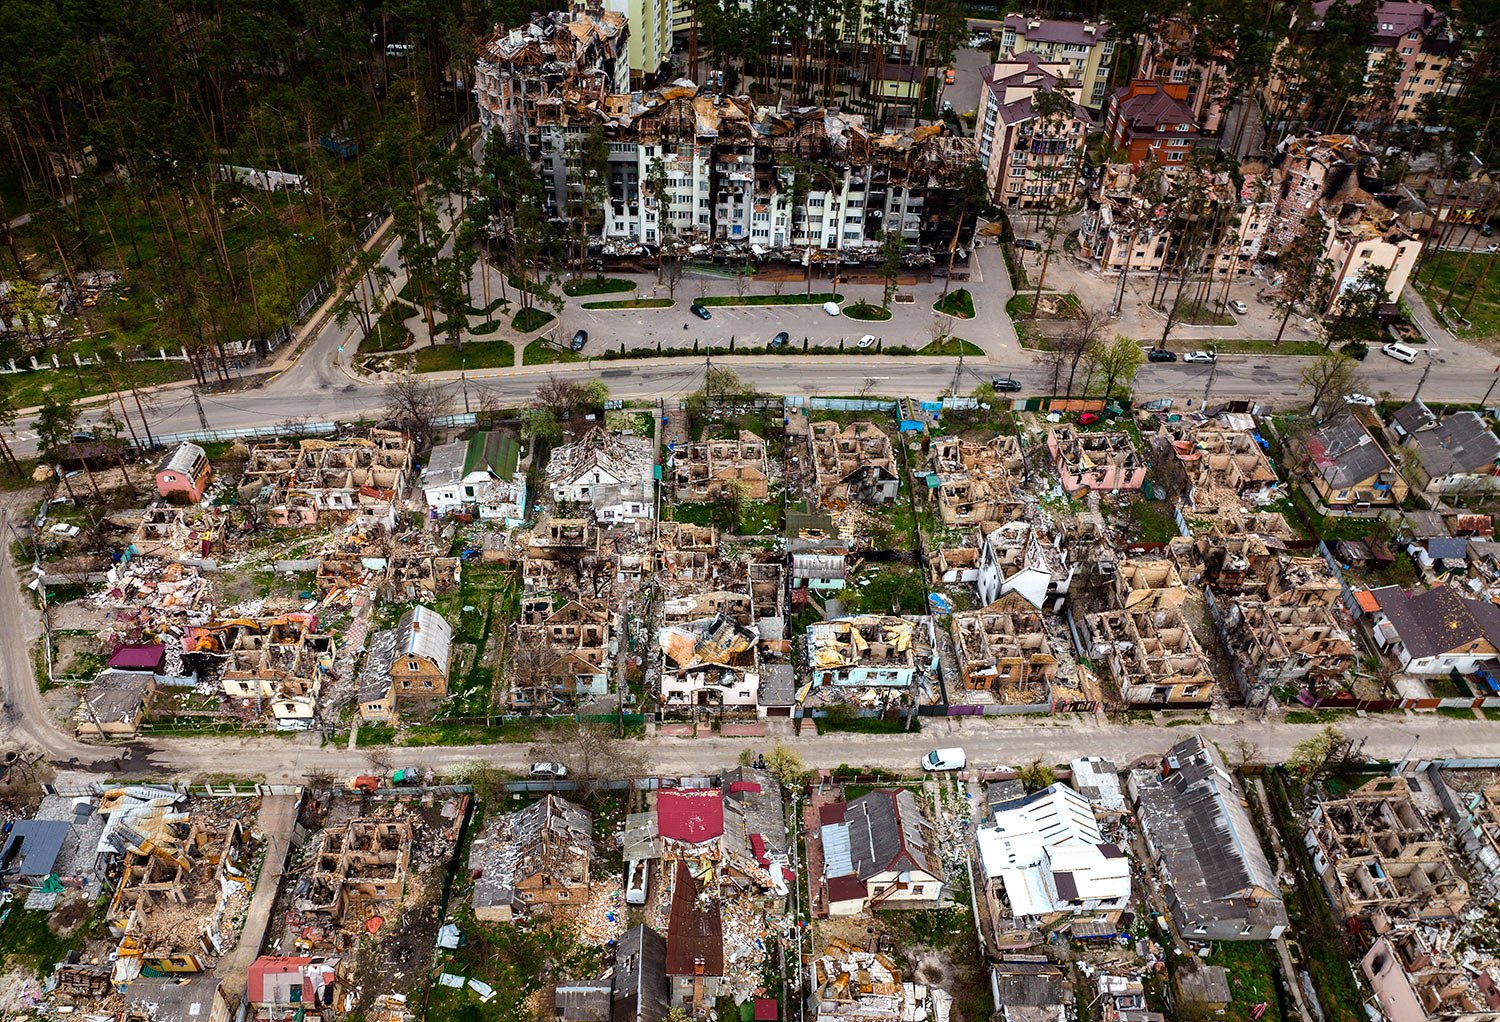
(583, 1001)
(116, 696)
(1439, 620)
(1459, 445)
(1343, 452)
(1414, 416)
(1046, 30)
(511, 847)
(1196, 821)
(641, 992)
(1029, 984)
(32, 846)
(887, 833)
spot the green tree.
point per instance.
(1119, 361)
(891, 248)
(540, 424)
(654, 188)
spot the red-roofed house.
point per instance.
(278, 986)
(1152, 122)
(691, 816)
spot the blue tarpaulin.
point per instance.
(912, 426)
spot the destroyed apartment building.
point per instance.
(1421, 974)
(1223, 468)
(873, 661)
(1007, 655)
(1152, 656)
(184, 885)
(532, 860)
(564, 555)
(276, 663)
(709, 663)
(729, 162)
(562, 652)
(178, 533)
(703, 470)
(356, 870)
(1307, 645)
(1383, 860)
(357, 477)
(611, 473)
(975, 482)
(1103, 461)
(853, 464)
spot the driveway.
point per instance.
(278, 816)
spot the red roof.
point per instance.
(833, 812)
(846, 888)
(270, 965)
(738, 786)
(138, 658)
(693, 815)
(758, 846)
(766, 1009)
(1367, 600)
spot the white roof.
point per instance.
(1051, 832)
(1099, 781)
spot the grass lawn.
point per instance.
(755, 518)
(1054, 305)
(956, 303)
(1202, 314)
(389, 333)
(816, 298)
(475, 355)
(867, 312)
(1251, 979)
(597, 286)
(951, 346)
(1232, 346)
(1151, 521)
(530, 319)
(542, 352)
(29, 388)
(864, 726)
(27, 940)
(516, 960)
(1438, 276)
(632, 303)
(885, 585)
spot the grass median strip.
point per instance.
(816, 298)
(542, 352)
(959, 304)
(632, 303)
(597, 286)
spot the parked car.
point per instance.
(948, 76)
(637, 881)
(406, 776)
(1087, 418)
(1006, 384)
(64, 529)
(1356, 398)
(548, 771)
(832, 308)
(1487, 230)
(1199, 356)
(1400, 352)
(944, 759)
(780, 340)
(866, 341)
(364, 782)
(1029, 244)
(1161, 355)
(700, 310)
(580, 339)
(1239, 306)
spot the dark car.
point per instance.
(1161, 355)
(580, 339)
(700, 310)
(780, 340)
(1027, 243)
(1006, 385)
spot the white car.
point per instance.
(548, 771)
(1400, 352)
(1359, 399)
(64, 529)
(1239, 306)
(944, 759)
(866, 341)
(1199, 356)
(832, 308)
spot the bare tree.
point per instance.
(413, 404)
(1331, 374)
(1083, 336)
(591, 752)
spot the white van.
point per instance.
(944, 759)
(1400, 352)
(637, 879)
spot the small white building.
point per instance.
(612, 473)
(481, 472)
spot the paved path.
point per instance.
(278, 817)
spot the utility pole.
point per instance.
(463, 379)
(1213, 367)
(1425, 370)
(958, 370)
(198, 403)
(1484, 400)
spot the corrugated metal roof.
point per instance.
(837, 860)
(423, 632)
